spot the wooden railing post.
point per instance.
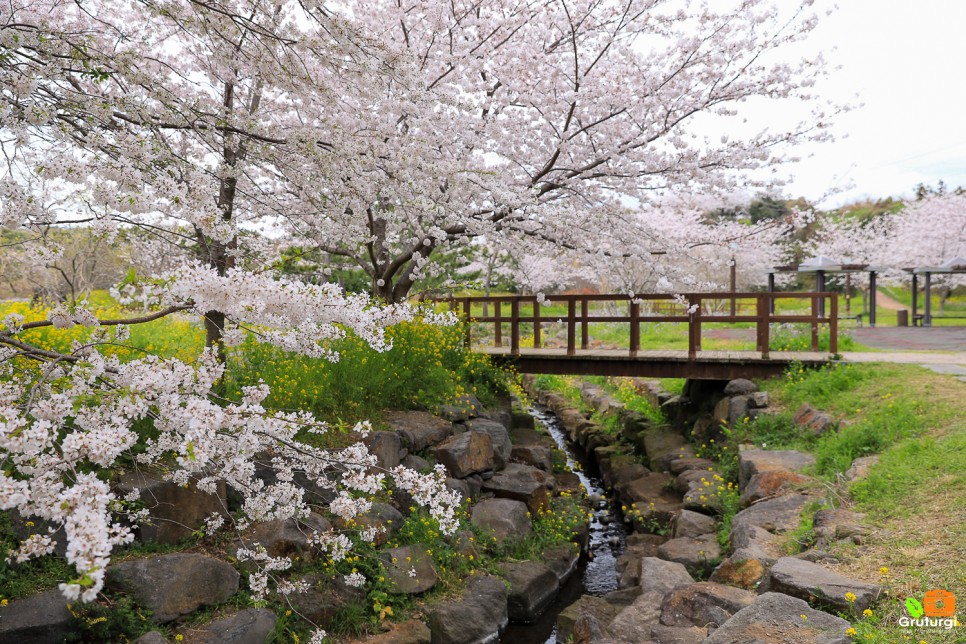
(466, 314)
(497, 325)
(515, 326)
(762, 312)
(635, 327)
(571, 325)
(584, 333)
(694, 326)
(833, 325)
(536, 324)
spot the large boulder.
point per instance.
(663, 576)
(692, 524)
(477, 616)
(533, 586)
(634, 623)
(587, 606)
(174, 585)
(664, 444)
(418, 429)
(175, 511)
(695, 553)
(815, 421)
(35, 620)
(409, 569)
(766, 485)
(807, 580)
(562, 560)
(499, 437)
(504, 518)
(777, 619)
(740, 387)
(539, 456)
(386, 519)
(703, 604)
(522, 483)
(755, 461)
(386, 447)
(782, 514)
(250, 626)
(285, 537)
(325, 598)
(466, 453)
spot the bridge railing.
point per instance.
(578, 312)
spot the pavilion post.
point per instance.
(915, 297)
(771, 289)
(927, 300)
(820, 287)
(872, 299)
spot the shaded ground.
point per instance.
(946, 338)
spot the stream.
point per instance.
(596, 573)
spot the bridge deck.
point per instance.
(708, 365)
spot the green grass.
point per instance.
(915, 421)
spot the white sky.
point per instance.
(906, 61)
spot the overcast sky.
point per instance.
(906, 61)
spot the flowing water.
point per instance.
(596, 574)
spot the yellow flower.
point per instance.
(178, 637)
(867, 613)
(850, 597)
(883, 571)
(804, 616)
(851, 632)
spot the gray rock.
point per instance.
(703, 604)
(414, 462)
(418, 429)
(745, 568)
(504, 518)
(502, 416)
(740, 387)
(325, 598)
(383, 516)
(663, 444)
(633, 624)
(777, 619)
(693, 524)
(808, 580)
(176, 584)
(175, 511)
(754, 461)
(861, 467)
(499, 437)
(465, 454)
(562, 560)
(533, 586)
(478, 616)
(832, 525)
(522, 483)
(400, 564)
(663, 576)
(782, 514)
(285, 537)
(386, 447)
(679, 465)
(154, 637)
(250, 626)
(758, 400)
(535, 455)
(597, 607)
(661, 634)
(696, 553)
(35, 620)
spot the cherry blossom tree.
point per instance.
(379, 132)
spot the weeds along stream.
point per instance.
(596, 573)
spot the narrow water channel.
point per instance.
(596, 574)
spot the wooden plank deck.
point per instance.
(708, 365)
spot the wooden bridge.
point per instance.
(556, 334)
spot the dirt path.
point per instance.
(886, 302)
